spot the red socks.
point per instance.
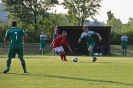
(63, 56)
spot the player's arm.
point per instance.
(45, 38)
(66, 43)
(81, 37)
(100, 38)
(127, 39)
(24, 37)
(6, 38)
(69, 48)
(52, 43)
(79, 40)
(41, 38)
(24, 40)
(121, 39)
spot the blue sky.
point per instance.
(122, 9)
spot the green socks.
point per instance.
(92, 54)
(124, 51)
(8, 64)
(40, 52)
(43, 52)
(23, 64)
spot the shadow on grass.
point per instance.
(84, 79)
(72, 78)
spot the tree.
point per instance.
(110, 15)
(28, 11)
(82, 9)
(116, 24)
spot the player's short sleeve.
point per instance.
(46, 36)
(122, 38)
(6, 35)
(93, 33)
(23, 32)
(126, 38)
(82, 35)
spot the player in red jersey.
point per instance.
(57, 45)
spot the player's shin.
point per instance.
(61, 55)
(94, 57)
(23, 64)
(125, 51)
(92, 54)
(8, 63)
(64, 56)
(40, 52)
(43, 51)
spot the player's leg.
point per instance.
(58, 49)
(40, 50)
(43, 51)
(53, 52)
(90, 49)
(20, 56)
(11, 54)
(63, 53)
(64, 56)
(43, 48)
(8, 65)
(23, 63)
(123, 50)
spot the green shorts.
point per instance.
(124, 46)
(42, 45)
(91, 44)
(13, 51)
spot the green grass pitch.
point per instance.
(50, 72)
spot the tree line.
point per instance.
(118, 28)
(34, 16)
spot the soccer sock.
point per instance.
(123, 51)
(40, 52)
(43, 51)
(92, 54)
(53, 52)
(23, 64)
(8, 63)
(61, 55)
(64, 56)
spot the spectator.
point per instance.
(43, 39)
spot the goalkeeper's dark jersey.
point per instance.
(15, 35)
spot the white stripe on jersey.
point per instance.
(84, 34)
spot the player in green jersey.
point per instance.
(88, 35)
(43, 39)
(15, 45)
(124, 40)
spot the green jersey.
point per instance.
(15, 35)
(43, 38)
(124, 40)
(88, 36)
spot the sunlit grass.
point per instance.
(50, 72)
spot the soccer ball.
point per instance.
(75, 59)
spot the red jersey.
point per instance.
(59, 41)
